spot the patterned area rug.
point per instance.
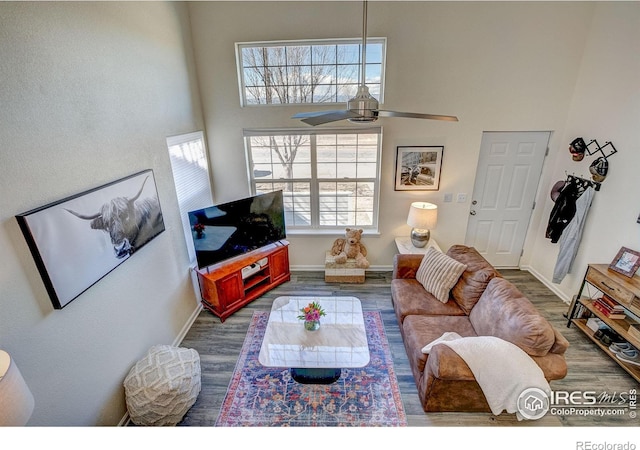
(263, 396)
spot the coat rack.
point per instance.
(600, 149)
(599, 168)
(583, 181)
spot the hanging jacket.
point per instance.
(563, 211)
(572, 235)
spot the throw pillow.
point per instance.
(438, 273)
(474, 280)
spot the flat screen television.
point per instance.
(230, 229)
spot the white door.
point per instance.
(507, 179)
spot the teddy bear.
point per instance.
(350, 247)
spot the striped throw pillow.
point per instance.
(438, 273)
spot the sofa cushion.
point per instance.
(438, 273)
(503, 311)
(474, 279)
(410, 298)
(418, 331)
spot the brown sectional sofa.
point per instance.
(482, 303)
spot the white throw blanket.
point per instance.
(502, 369)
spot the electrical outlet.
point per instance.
(462, 198)
(448, 198)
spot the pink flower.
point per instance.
(313, 311)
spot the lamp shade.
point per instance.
(423, 216)
(16, 399)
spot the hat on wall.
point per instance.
(555, 190)
(577, 149)
(599, 168)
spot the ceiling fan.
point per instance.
(363, 107)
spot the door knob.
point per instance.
(472, 212)
(475, 202)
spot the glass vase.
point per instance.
(311, 325)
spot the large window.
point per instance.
(309, 71)
(329, 178)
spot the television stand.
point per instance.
(232, 284)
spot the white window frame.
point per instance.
(310, 42)
(191, 178)
(314, 180)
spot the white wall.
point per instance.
(498, 66)
(605, 106)
(89, 93)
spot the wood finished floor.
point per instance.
(219, 346)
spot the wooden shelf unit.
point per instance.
(223, 289)
(623, 290)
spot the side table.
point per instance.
(406, 247)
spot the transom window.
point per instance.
(329, 178)
(309, 71)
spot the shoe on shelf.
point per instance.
(630, 357)
(609, 337)
(619, 347)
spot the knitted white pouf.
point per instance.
(162, 386)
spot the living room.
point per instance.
(91, 91)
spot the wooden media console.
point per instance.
(225, 288)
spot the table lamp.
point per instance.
(16, 399)
(422, 218)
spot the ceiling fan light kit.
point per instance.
(363, 108)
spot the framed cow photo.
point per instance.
(78, 240)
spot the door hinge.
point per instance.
(534, 205)
(546, 153)
(521, 252)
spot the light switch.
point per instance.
(462, 198)
(448, 198)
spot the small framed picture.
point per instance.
(418, 168)
(626, 262)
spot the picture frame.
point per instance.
(78, 240)
(626, 262)
(418, 168)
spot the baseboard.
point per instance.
(553, 287)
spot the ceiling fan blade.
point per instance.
(320, 117)
(382, 113)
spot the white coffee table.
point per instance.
(315, 357)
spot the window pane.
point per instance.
(366, 170)
(323, 54)
(346, 171)
(374, 75)
(300, 171)
(348, 53)
(347, 92)
(327, 170)
(374, 53)
(367, 153)
(324, 93)
(347, 153)
(326, 153)
(348, 74)
(326, 139)
(298, 55)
